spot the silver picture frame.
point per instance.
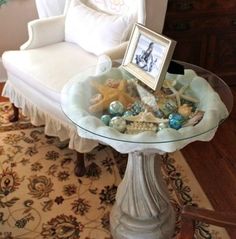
(148, 56)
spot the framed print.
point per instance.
(148, 56)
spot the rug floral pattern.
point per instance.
(40, 197)
(6, 112)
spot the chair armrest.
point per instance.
(117, 52)
(45, 31)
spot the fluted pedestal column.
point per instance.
(142, 209)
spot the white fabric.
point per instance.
(48, 68)
(166, 140)
(48, 8)
(114, 7)
(43, 111)
(95, 31)
(3, 73)
(44, 32)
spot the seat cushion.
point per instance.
(49, 68)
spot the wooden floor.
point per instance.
(214, 164)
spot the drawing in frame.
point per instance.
(148, 56)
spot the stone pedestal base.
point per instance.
(142, 209)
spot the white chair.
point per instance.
(60, 47)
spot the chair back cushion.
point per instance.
(95, 30)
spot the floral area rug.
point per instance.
(41, 198)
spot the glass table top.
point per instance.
(106, 102)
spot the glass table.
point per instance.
(109, 106)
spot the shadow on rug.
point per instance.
(41, 198)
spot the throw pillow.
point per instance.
(93, 30)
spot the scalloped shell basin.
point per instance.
(75, 102)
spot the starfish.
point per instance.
(178, 94)
(110, 94)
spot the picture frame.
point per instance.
(148, 56)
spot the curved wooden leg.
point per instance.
(80, 169)
(15, 116)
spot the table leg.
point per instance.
(15, 116)
(142, 208)
(80, 169)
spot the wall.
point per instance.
(156, 11)
(13, 26)
(13, 23)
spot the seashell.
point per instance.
(113, 83)
(162, 126)
(95, 99)
(195, 118)
(185, 110)
(138, 127)
(146, 97)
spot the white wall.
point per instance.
(13, 25)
